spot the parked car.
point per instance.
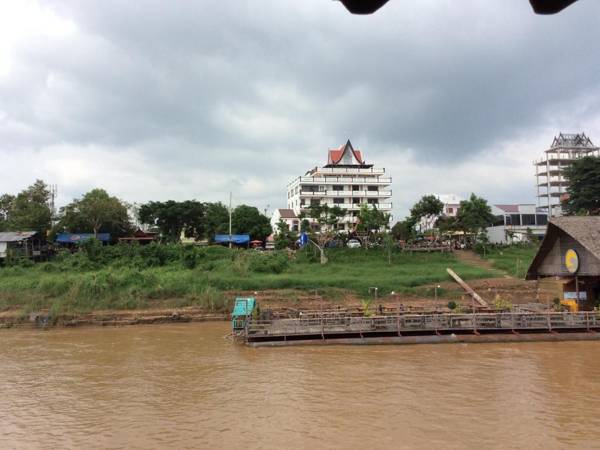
(353, 243)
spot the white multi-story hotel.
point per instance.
(346, 181)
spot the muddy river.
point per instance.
(185, 386)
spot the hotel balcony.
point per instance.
(346, 180)
(347, 170)
(369, 194)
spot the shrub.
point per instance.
(269, 262)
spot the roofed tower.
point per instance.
(346, 156)
(551, 184)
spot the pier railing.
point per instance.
(340, 324)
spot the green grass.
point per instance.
(175, 276)
(513, 260)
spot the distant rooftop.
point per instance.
(449, 199)
(577, 140)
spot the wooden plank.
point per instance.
(467, 288)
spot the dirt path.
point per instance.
(472, 258)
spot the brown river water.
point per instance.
(185, 386)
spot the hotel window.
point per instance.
(355, 187)
(338, 187)
(338, 201)
(372, 188)
(373, 201)
(355, 201)
(322, 188)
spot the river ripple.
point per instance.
(185, 386)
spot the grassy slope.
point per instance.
(512, 260)
(122, 284)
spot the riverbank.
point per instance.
(123, 286)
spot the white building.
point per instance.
(288, 216)
(451, 204)
(514, 222)
(346, 181)
(551, 184)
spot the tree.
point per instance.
(474, 215)
(249, 220)
(29, 210)
(446, 224)
(327, 217)
(6, 202)
(427, 210)
(96, 212)
(284, 238)
(372, 219)
(176, 218)
(216, 219)
(404, 230)
(583, 176)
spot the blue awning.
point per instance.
(75, 238)
(235, 238)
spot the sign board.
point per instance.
(572, 261)
(573, 295)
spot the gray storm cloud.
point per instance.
(203, 97)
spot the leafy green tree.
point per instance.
(372, 219)
(427, 210)
(216, 219)
(29, 210)
(327, 217)
(176, 218)
(583, 176)
(249, 220)
(284, 238)
(404, 230)
(446, 224)
(474, 215)
(96, 212)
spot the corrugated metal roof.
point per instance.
(16, 236)
(287, 214)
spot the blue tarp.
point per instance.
(235, 238)
(75, 238)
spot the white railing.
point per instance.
(344, 170)
(347, 180)
(382, 194)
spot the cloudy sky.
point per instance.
(156, 100)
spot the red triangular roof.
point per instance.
(335, 155)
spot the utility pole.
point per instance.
(230, 235)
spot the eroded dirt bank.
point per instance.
(509, 290)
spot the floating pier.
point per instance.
(343, 328)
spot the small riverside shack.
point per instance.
(139, 236)
(72, 239)
(568, 261)
(21, 244)
(235, 239)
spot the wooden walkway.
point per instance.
(332, 327)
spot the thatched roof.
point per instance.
(584, 229)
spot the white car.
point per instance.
(353, 243)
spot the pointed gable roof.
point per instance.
(337, 155)
(583, 229)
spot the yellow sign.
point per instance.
(572, 261)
